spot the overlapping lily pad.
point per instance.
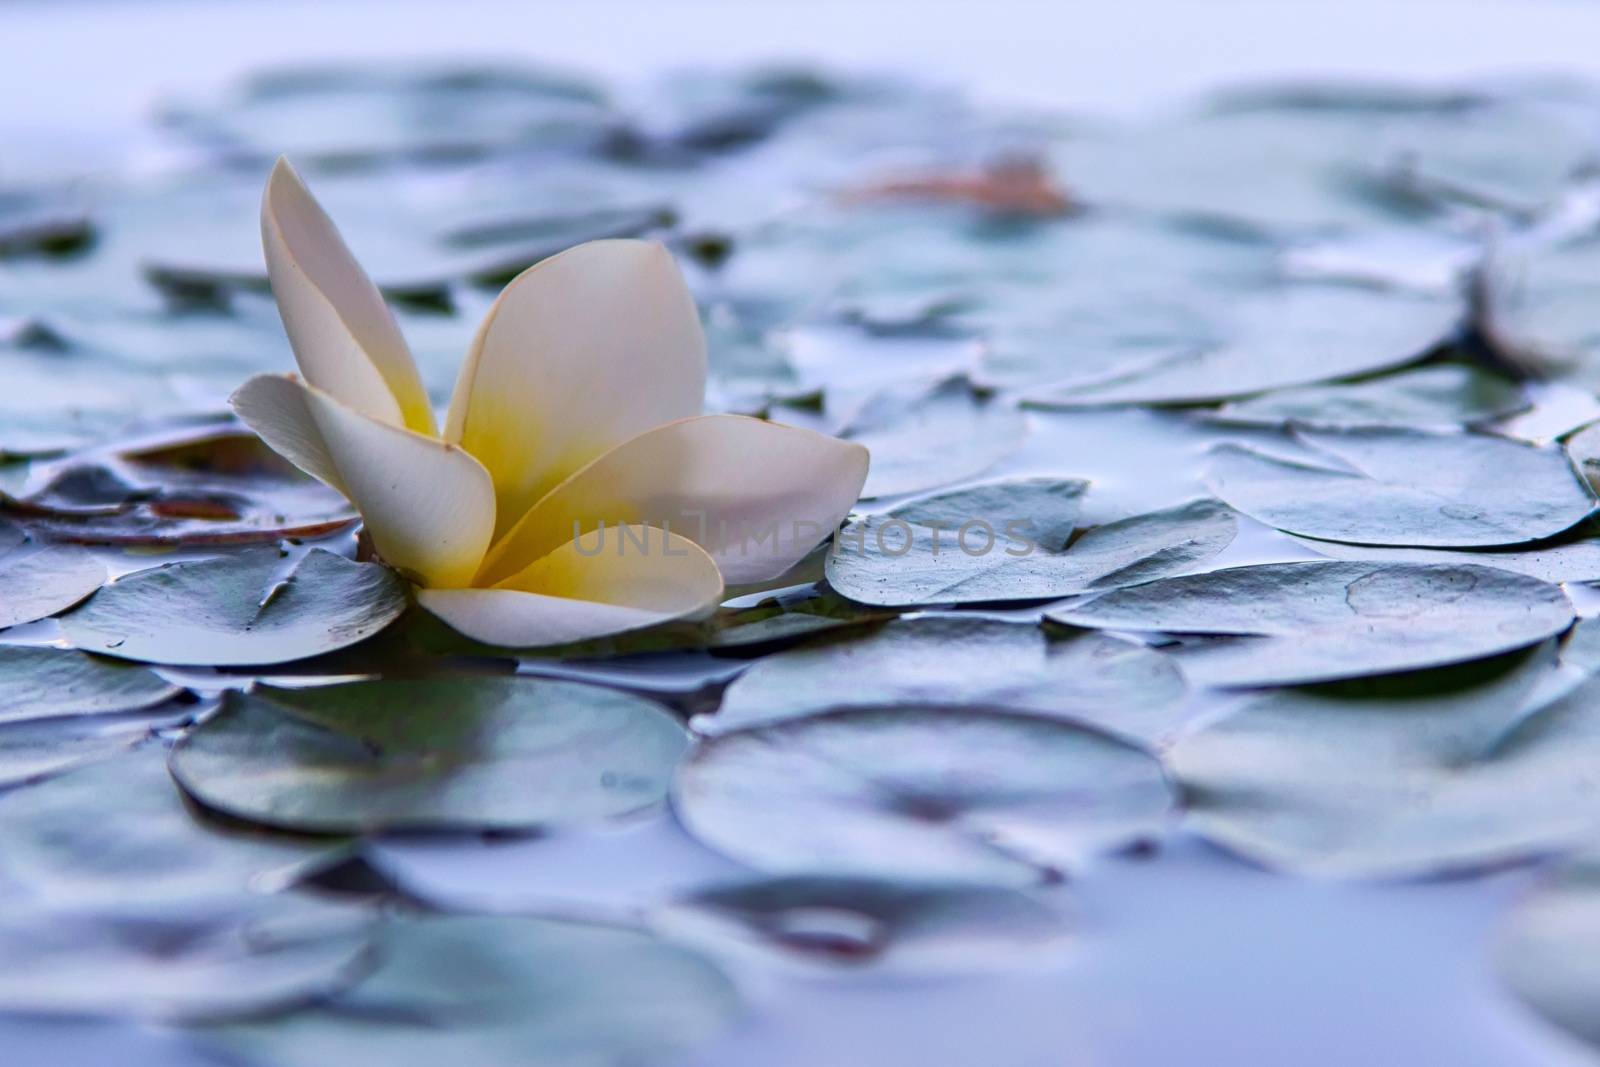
(488, 753)
(256, 607)
(1388, 777)
(1572, 557)
(537, 992)
(857, 922)
(1121, 686)
(936, 437)
(920, 792)
(1438, 396)
(1400, 487)
(38, 683)
(1015, 540)
(37, 581)
(1293, 623)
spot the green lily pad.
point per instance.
(1292, 623)
(1385, 777)
(1121, 686)
(1572, 557)
(1272, 339)
(536, 992)
(481, 753)
(256, 607)
(1442, 396)
(924, 793)
(942, 435)
(37, 582)
(1545, 951)
(115, 836)
(1400, 487)
(212, 489)
(917, 553)
(858, 922)
(38, 683)
(239, 956)
(35, 749)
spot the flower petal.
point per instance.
(343, 335)
(578, 354)
(756, 495)
(428, 506)
(605, 582)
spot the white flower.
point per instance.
(576, 489)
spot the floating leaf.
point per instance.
(252, 608)
(233, 957)
(535, 992)
(1291, 623)
(1439, 396)
(116, 837)
(921, 793)
(37, 582)
(1572, 557)
(37, 683)
(855, 922)
(1584, 449)
(1269, 340)
(1118, 685)
(34, 749)
(485, 753)
(1013, 540)
(1399, 487)
(216, 489)
(1546, 950)
(939, 436)
(1413, 775)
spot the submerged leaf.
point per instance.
(920, 792)
(1400, 487)
(252, 608)
(486, 753)
(1291, 623)
(1121, 686)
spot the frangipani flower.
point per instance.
(575, 490)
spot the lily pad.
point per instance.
(856, 922)
(1292, 623)
(1572, 557)
(1584, 449)
(938, 436)
(1546, 950)
(1400, 487)
(35, 749)
(487, 753)
(1015, 540)
(1383, 777)
(232, 957)
(37, 582)
(115, 837)
(257, 607)
(38, 683)
(1272, 339)
(1441, 396)
(215, 489)
(917, 792)
(1121, 686)
(536, 992)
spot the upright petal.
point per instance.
(756, 495)
(343, 335)
(605, 582)
(428, 506)
(578, 354)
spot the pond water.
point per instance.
(1183, 956)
